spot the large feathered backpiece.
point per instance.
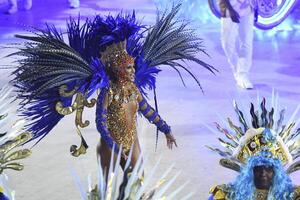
(56, 77)
(167, 43)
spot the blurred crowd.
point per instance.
(13, 5)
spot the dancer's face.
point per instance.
(124, 69)
(130, 72)
(263, 177)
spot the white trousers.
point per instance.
(237, 42)
(74, 2)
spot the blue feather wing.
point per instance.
(168, 42)
(145, 76)
(43, 115)
(47, 63)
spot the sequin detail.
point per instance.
(122, 114)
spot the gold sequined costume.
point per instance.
(121, 115)
(118, 105)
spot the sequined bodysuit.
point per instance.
(116, 119)
(121, 114)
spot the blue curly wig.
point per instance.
(243, 188)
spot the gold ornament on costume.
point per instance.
(219, 192)
(255, 142)
(7, 157)
(78, 106)
(12, 134)
(261, 194)
(116, 55)
(297, 193)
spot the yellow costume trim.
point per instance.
(253, 142)
(78, 105)
(144, 106)
(218, 193)
(1, 190)
(156, 119)
(261, 194)
(8, 158)
(149, 113)
(297, 193)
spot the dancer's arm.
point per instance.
(154, 118)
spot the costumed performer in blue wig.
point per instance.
(260, 153)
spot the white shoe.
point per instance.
(242, 80)
(12, 10)
(28, 4)
(74, 3)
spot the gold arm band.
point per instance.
(149, 113)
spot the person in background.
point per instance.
(237, 21)
(13, 6)
(259, 151)
(74, 3)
